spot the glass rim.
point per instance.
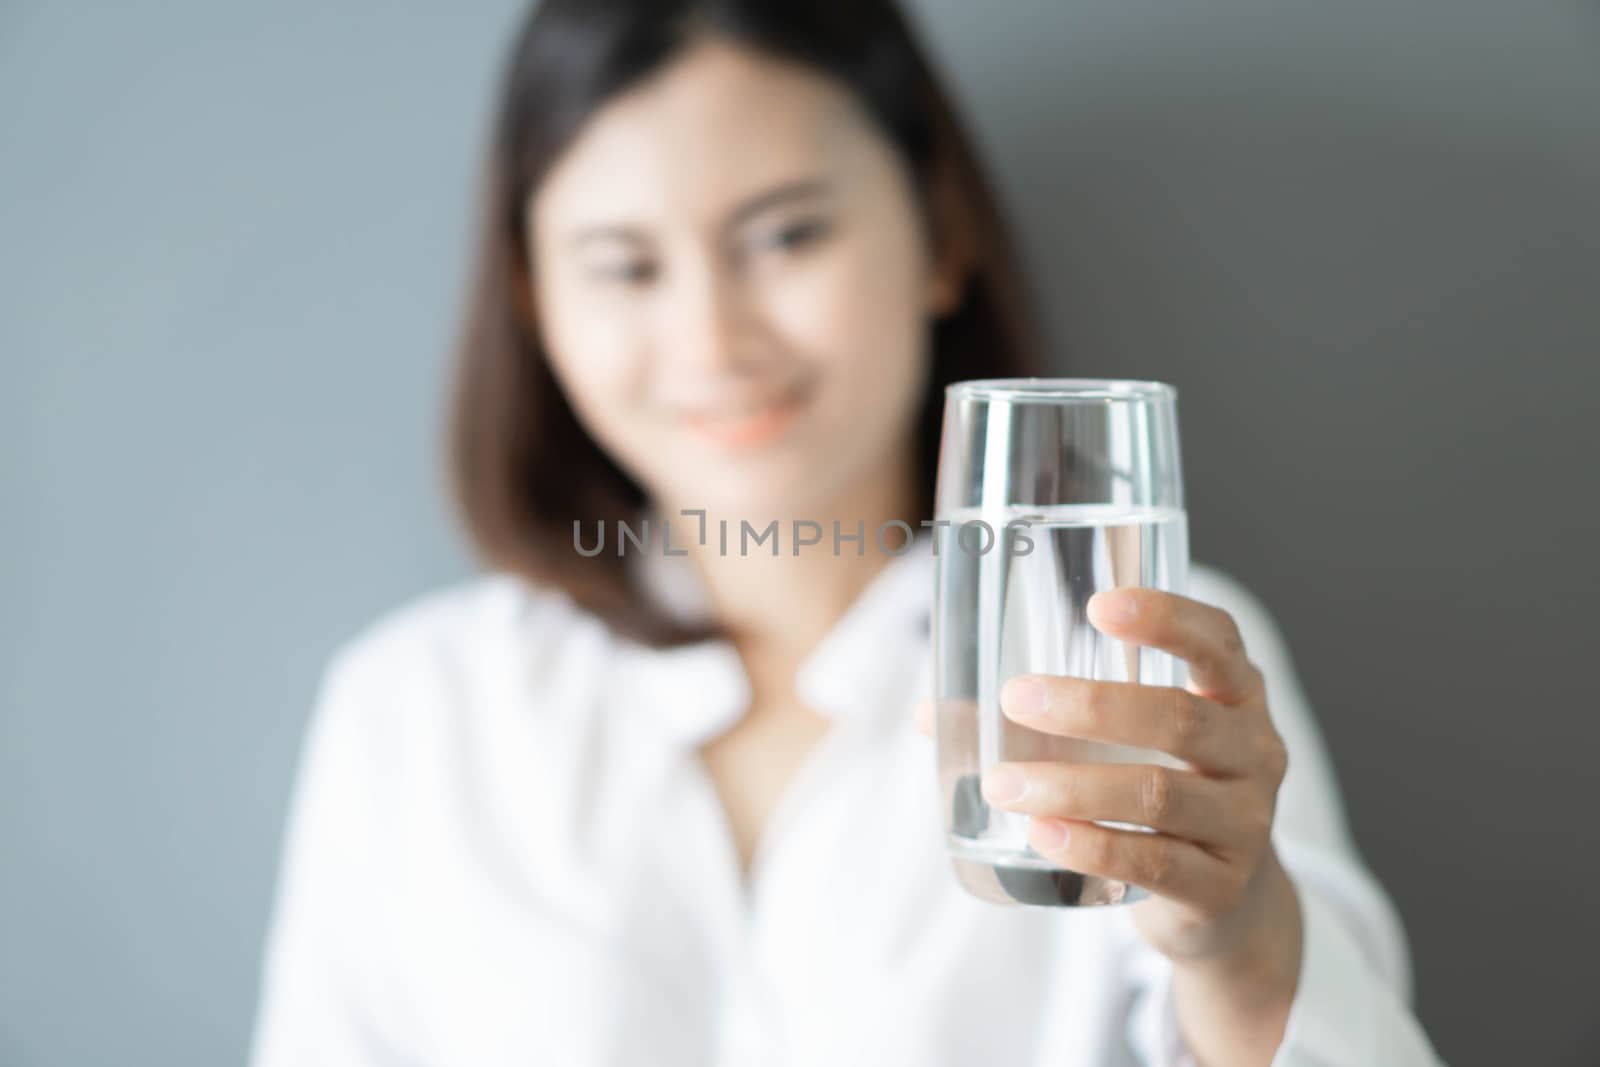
(1060, 389)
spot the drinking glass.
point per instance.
(1049, 490)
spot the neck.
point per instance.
(782, 605)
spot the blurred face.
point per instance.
(734, 287)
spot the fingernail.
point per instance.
(1024, 695)
(1004, 783)
(1048, 833)
(1116, 606)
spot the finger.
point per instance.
(1203, 810)
(1167, 718)
(922, 715)
(1203, 635)
(1167, 866)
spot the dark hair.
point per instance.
(521, 468)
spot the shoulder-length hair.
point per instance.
(521, 469)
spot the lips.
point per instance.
(748, 425)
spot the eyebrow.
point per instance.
(797, 189)
(785, 192)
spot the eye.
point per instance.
(792, 236)
(623, 272)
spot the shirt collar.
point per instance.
(865, 667)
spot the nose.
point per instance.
(711, 326)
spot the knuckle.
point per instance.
(1066, 792)
(1187, 718)
(1257, 679)
(1093, 706)
(1232, 639)
(1092, 709)
(1239, 884)
(1264, 818)
(1156, 795)
(1274, 755)
(1255, 818)
(1207, 660)
(1154, 863)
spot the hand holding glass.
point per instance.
(1049, 491)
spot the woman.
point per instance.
(659, 801)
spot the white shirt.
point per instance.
(503, 849)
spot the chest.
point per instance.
(629, 937)
(752, 764)
(570, 892)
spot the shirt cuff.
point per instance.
(1345, 1009)
(1335, 976)
(1344, 1013)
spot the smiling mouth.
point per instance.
(749, 426)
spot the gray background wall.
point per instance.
(1362, 238)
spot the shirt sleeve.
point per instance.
(328, 995)
(1352, 1004)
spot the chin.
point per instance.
(755, 492)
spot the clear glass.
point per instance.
(1050, 489)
